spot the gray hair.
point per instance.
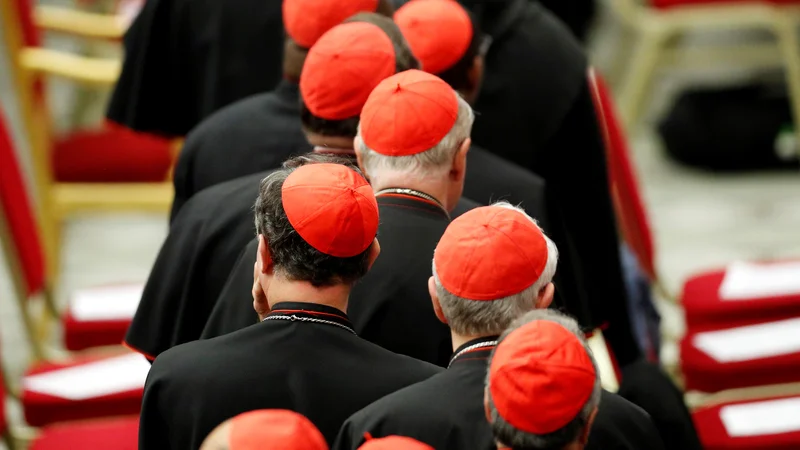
(506, 434)
(475, 318)
(435, 161)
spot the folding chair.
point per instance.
(658, 23)
(105, 169)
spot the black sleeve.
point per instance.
(573, 162)
(645, 384)
(149, 95)
(153, 327)
(153, 428)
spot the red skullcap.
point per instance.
(490, 253)
(394, 443)
(343, 67)
(331, 207)
(306, 20)
(540, 377)
(408, 113)
(439, 32)
(277, 429)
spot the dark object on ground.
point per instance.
(730, 129)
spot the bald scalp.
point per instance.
(219, 438)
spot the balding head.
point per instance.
(481, 313)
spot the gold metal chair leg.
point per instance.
(636, 83)
(785, 28)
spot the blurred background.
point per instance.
(702, 93)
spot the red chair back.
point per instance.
(30, 34)
(15, 208)
(628, 204)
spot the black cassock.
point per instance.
(535, 109)
(446, 412)
(204, 241)
(390, 306)
(184, 59)
(252, 135)
(320, 370)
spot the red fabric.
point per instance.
(30, 34)
(703, 306)
(18, 213)
(281, 428)
(111, 154)
(490, 253)
(542, 367)
(408, 113)
(343, 67)
(80, 335)
(117, 434)
(628, 202)
(438, 31)
(679, 3)
(714, 436)
(306, 20)
(394, 443)
(332, 208)
(42, 409)
(703, 373)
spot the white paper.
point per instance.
(751, 342)
(762, 418)
(745, 280)
(608, 376)
(106, 303)
(96, 379)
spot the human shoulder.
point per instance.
(225, 120)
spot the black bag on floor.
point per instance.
(731, 129)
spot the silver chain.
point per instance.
(472, 347)
(310, 319)
(413, 193)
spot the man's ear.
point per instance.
(585, 432)
(486, 405)
(359, 156)
(374, 252)
(437, 307)
(264, 257)
(459, 169)
(474, 78)
(545, 297)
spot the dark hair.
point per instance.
(457, 75)
(404, 60)
(293, 257)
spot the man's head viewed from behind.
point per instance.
(492, 265)
(266, 429)
(443, 36)
(542, 387)
(305, 21)
(341, 70)
(316, 220)
(414, 133)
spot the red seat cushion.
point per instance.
(111, 154)
(678, 3)
(704, 372)
(703, 305)
(80, 335)
(100, 316)
(45, 401)
(714, 434)
(117, 434)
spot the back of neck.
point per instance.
(436, 187)
(335, 296)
